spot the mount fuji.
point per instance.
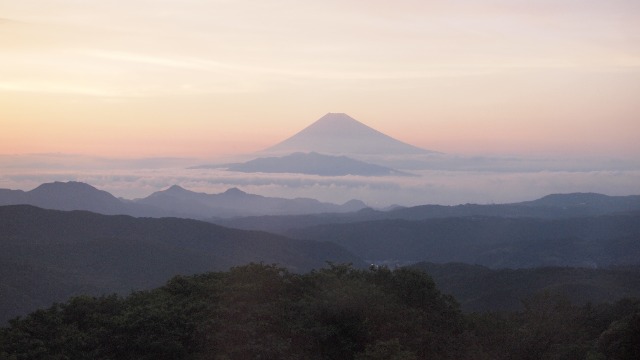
(340, 134)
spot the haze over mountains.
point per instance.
(256, 212)
(317, 163)
(48, 255)
(587, 229)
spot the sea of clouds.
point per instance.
(463, 180)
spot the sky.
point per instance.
(207, 78)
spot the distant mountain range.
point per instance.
(580, 229)
(235, 202)
(238, 209)
(549, 207)
(340, 134)
(49, 255)
(174, 201)
(311, 164)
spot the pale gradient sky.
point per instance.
(212, 77)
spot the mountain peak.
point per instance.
(176, 188)
(331, 123)
(340, 134)
(70, 185)
(234, 191)
(336, 118)
(73, 195)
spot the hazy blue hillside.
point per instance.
(49, 255)
(235, 202)
(490, 241)
(552, 206)
(175, 201)
(66, 196)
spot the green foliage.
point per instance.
(262, 311)
(621, 340)
(550, 327)
(253, 311)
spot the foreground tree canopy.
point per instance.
(265, 312)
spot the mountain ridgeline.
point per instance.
(555, 206)
(236, 208)
(173, 201)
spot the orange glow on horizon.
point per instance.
(216, 78)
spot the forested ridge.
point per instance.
(48, 256)
(261, 311)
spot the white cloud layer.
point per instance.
(139, 178)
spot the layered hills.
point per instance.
(580, 229)
(48, 255)
(548, 207)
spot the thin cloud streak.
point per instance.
(56, 88)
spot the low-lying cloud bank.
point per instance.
(139, 178)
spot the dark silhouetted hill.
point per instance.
(49, 255)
